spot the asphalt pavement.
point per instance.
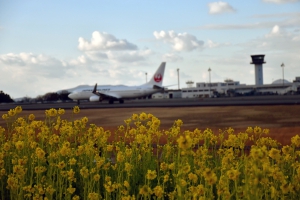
(179, 102)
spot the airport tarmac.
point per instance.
(226, 101)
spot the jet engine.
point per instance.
(94, 98)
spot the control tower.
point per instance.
(258, 61)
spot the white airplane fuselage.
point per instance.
(125, 92)
(122, 92)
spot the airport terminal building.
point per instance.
(234, 88)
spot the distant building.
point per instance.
(168, 94)
(234, 88)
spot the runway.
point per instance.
(225, 101)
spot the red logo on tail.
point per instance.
(157, 77)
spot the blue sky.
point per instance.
(46, 46)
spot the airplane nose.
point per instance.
(71, 95)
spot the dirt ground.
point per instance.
(283, 121)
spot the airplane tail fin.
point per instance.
(157, 78)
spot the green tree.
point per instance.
(5, 98)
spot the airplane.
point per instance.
(121, 92)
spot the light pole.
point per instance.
(178, 78)
(209, 70)
(146, 77)
(282, 65)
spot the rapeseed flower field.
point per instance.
(59, 158)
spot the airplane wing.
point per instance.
(109, 95)
(105, 94)
(162, 87)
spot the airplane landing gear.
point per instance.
(111, 101)
(78, 102)
(121, 101)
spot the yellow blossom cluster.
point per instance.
(59, 158)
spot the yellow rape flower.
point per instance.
(145, 190)
(150, 116)
(84, 172)
(76, 109)
(71, 174)
(186, 169)
(93, 196)
(193, 177)
(182, 182)
(210, 176)
(126, 184)
(249, 130)
(51, 112)
(61, 165)
(233, 174)
(285, 187)
(31, 117)
(84, 120)
(128, 152)
(109, 147)
(151, 174)
(50, 190)
(257, 130)
(158, 191)
(12, 182)
(166, 178)
(72, 161)
(185, 142)
(143, 116)
(5, 116)
(96, 177)
(128, 167)
(274, 153)
(19, 145)
(179, 122)
(155, 122)
(61, 111)
(76, 197)
(11, 112)
(163, 166)
(134, 117)
(6, 146)
(40, 169)
(18, 109)
(172, 166)
(109, 187)
(296, 140)
(40, 153)
(120, 156)
(71, 190)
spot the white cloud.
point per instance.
(104, 47)
(220, 7)
(211, 44)
(30, 74)
(296, 38)
(281, 1)
(180, 41)
(276, 32)
(171, 57)
(35, 64)
(280, 39)
(128, 56)
(104, 41)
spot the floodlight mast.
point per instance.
(282, 65)
(209, 70)
(178, 78)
